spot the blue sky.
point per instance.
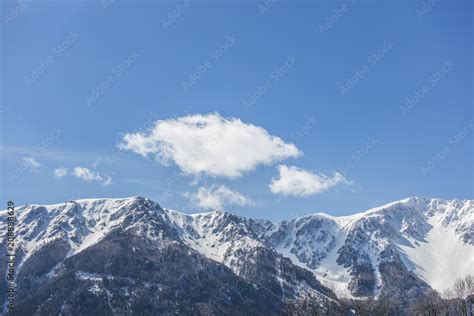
(379, 95)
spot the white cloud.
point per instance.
(217, 197)
(88, 175)
(31, 163)
(85, 174)
(295, 181)
(60, 172)
(209, 145)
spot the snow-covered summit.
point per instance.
(431, 240)
(431, 237)
(79, 223)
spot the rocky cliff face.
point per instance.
(130, 256)
(428, 239)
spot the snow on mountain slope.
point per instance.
(434, 239)
(80, 223)
(233, 241)
(122, 257)
(447, 252)
(50, 237)
(357, 254)
(321, 256)
(217, 235)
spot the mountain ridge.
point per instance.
(382, 252)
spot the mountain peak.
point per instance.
(354, 253)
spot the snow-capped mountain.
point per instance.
(432, 237)
(427, 242)
(129, 256)
(401, 250)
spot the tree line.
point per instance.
(456, 301)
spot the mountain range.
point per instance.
(131, 256)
